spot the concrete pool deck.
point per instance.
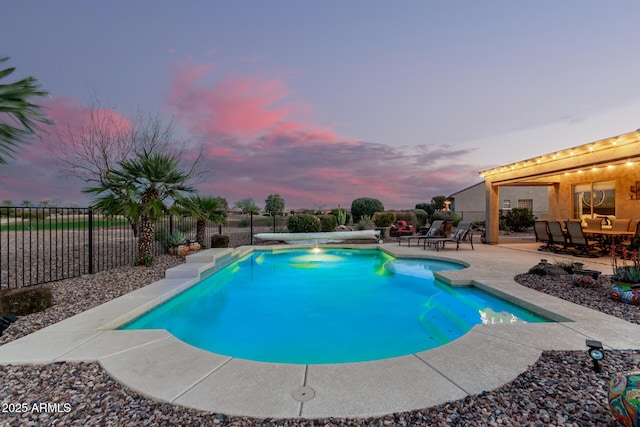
(159, 366)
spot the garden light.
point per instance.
(596, 352)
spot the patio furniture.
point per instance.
(541, 229)
(463, 233)
(557, 237)
(433, 230)
(578, 243)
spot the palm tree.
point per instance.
(207, 209)
(14, 103)
(142, 189)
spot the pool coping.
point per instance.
(163, 368)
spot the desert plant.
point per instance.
(365, 206)
(384, 219)
(177, 238)
(327, 222)
(341, 215)
(628, 268)
(365, 223)
(304, 223)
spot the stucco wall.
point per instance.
(561, 206)
(471, 202)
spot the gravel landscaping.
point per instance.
(559, 389)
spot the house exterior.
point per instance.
(470, 203)
(596, 179)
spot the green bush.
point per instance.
(446, 216)
(244, 223)
(25, 301)
(408, 216)
(384, 219)
(365, 206)
(327, 222)
(304, 223)
(519, 219)
(421, 215)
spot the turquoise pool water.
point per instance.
(328, 306)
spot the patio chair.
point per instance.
(463, 233)
(620, 224)
(593, 224)
(541, 229)
(578, 243)
(557, 236)
(435, 228)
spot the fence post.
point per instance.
(170, 224)
(274, 222)
(90, 240)
(251, 229)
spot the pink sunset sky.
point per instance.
(325, 102)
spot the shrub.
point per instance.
(304, 223)
(25, 301)
(384, 219)
(421, 215)
(327, 222)
(244, 223)
(365, 223)
(446, 216)
(219, 241)
(408, 216)
(365, 206)
(519, 219)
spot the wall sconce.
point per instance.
(634, 191)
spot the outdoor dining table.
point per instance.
(607, 238)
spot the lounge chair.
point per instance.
(463, 233)
(541, 229)
(433, 230)
(578, 242)
(557, 236)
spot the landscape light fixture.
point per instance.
(596, 352)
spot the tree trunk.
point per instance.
(200, 228)
(145, 240)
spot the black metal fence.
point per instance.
(46, 244)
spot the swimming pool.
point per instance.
(326, 306)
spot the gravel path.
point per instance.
(559, 389)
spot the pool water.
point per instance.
(326, 306)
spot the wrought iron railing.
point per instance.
(46, 244)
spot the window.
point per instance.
(506, 204)
(526, 203)
(594, 199)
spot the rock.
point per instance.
(547, 270)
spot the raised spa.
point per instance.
(326, 306)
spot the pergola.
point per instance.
(615, 160)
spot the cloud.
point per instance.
(259, 144)
(259, 140)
